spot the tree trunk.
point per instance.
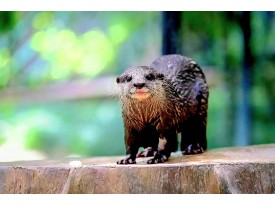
(171, 43)
(243, 135)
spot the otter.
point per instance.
(159, 101)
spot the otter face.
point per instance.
(138, 82)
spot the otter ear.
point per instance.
(160, 76)
(118, 80)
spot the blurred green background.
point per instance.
(58, 69)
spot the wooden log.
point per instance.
(229, 170)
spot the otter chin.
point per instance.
(140, 94)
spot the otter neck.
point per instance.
(145, 112)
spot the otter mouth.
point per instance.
(140, 94)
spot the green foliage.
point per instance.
(86, 55)
(7, 21)
(5, 71)
(41, 48)
(68, 128)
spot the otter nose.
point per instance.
(139, 85)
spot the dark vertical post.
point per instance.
(171, 32)
(231, 80)
(243, 136)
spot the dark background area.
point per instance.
(58, 69)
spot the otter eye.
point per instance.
(160, 76)
(150, 77)
(117, 80)
(128, 79)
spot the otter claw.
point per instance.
(126, 161)
(197, 149)
(158, 158)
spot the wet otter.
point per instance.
(160, 101)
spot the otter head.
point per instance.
(139, 83)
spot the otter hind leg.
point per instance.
(193, 136)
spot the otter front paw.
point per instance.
(148, 152)
(126, 161)
(193, 149)
(158, 158)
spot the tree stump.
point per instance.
(228, 170)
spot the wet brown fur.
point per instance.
(177, 104)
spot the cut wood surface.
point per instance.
(228, 170)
